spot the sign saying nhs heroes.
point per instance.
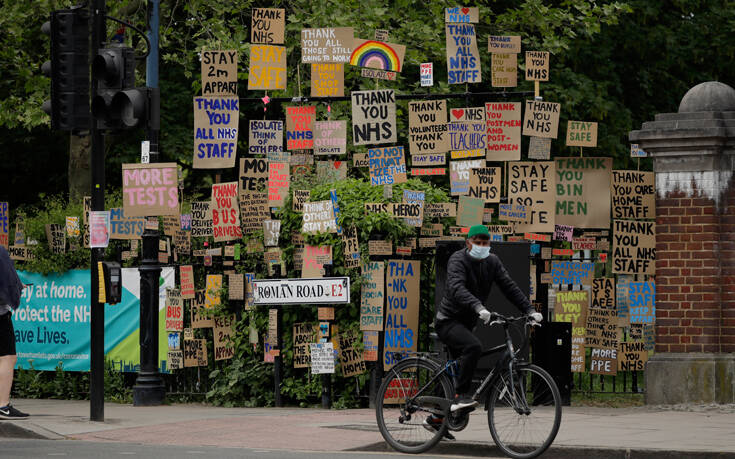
(301, 291)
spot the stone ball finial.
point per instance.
(710, 96)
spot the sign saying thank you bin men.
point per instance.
(301, 291)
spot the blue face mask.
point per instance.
(479, 252)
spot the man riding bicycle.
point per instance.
(471, 272)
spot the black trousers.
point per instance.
(465, 347)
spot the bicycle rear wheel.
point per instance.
(400, 415)
(524, 418)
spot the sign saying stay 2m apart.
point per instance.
(301, 291)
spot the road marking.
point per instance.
(57, 454)
(127, 453)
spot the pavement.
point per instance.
(689, 431)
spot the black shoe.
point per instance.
(9, 412)
(462, 403)
(433, 424)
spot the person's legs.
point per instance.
(464, 343)
(7, 365)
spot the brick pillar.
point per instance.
(693, 152)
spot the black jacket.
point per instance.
(468, 286)
(10, 285)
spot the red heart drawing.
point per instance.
(465, 10)
(337, 164)
(457, 112)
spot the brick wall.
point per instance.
(727, 263)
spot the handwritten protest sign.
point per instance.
(225, 212)
(186, 281)
(326, 44)
(532, 184)
(236, 286)
(427, 126)
(350, 360)
(266, 138)
(253, 211)
(602, 328)
(271, 232)
(195, 353)
(373, 117)
(278, 183)
(580, 200)
(267, 67)
(72, 227)
(427, 73)
(541, 119)
(622, 299)
(463, 58)
(201, 219)
(327, 80)
(431, 159)
(539, 148)
(200, 317)
(581, 134)
(303, 335)
(150, 189)
(572, 272)
(370, 345)
(99, 228)
(402, 307)
(563, 232)
(504, 70)
(223, 332)
(216, 121)
(378, 55)
(604, 361)
(331, 171)
(485, 184)
(351, 247)
(632, 356)
(642, 302)
(322, 358)
(4, 224)
(537, 66)
(440, 209)
(469, 211)
(633, 195)
(578, 354)
(174, 310)
(467, 139)
(503, 123)
(459, 175)
(315, 257)
(387, 165)
(634, 247)
(318, 217)
(603, 293)
(462, 14)
(175, 360)
(268, 25)
(571, 306)
(56, 237)
(504, 44)
(212, 290)
(125, 227)
(219, 73)
(298, 199)
(330, 137)
(414, 197)
(300, 127)
(372, 296)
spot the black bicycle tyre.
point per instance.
(405, 366)
(546, 390)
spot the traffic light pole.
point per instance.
(97, 166)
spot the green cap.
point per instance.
(478, 230)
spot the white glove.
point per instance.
(485, 315)
(537, 317)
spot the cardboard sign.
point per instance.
(186, 282)
(428, 171)
(380, 247)
(571, 306)
(123, 227)
(175, 360)
(373, 117)
(322, 358)
(370, 346)
(603, 293)
(4, 224)
(485, 184)
(563, 233)
(212, 290)
(503, 123)
(637, 152)
(268, 26)
(201, 219)
(427, 74)
(402, 303)
(539, 148)
(195, 353)
(372, 296)
(387, 165)
(470, 211)
(56, 237)
(199, 315)
(584, 243)
(327, 80)
(298, 199)
(414, 197)
(463, 58)
(376, 54)
(216, 122)
(541, 119)
(174, 310)
(427, 126)
(150, 189)
(602, 328)
(331, 171)
(537, 66)
(265, 138)
(350, 360)
(71, 227)
(580, 200)
(462, 14)
(300, 127)
(504, 70)
(581, 134)
(459, 175)
(632, 356)
(99, 228)
(634, 247)
(429, 160)
(633, 195)
(253, 211)
(219, 73)
(467, 139)
(271, 232)
(236, 286)
(440, 209)
(578, 353)
(466, 114)
(572, 272)
(351, 248)
(303, 335)
(223, 331)
(267, 67)
(315, 257)
(533, 184)
(326, 44)
(536, 237)
(318, 218)
(504, 44)
(278, 183)
(225, 212)
(604, 361)
(642, 302)
(330, 137)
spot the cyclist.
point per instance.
(471, 272)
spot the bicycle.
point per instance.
(523, 404)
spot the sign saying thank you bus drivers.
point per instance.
(302, 291)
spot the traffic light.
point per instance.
(118, 104)
(68, 68)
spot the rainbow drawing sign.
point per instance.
(377, 55)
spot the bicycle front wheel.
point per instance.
(402, 413)
(524, 416)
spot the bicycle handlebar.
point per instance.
(496, 318)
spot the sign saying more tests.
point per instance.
(150, 189)
(301, 291)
